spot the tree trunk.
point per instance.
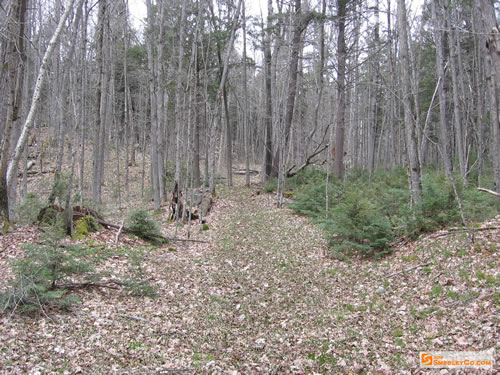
(341, 89)
(440, 67)
(411, 139)
(28, 123)
(100, 101)
(15, 74)
(268, 116)
(492, 31)
(178, 96)
(300, 23)
(457, 118)
(151, 42)
(245, 101)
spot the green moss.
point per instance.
(5, 225)
(204, 227)
(84, 226)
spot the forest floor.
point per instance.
(263, 296)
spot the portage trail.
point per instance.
(264, 297)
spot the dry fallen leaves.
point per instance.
(264, 297)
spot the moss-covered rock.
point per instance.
(84, 226)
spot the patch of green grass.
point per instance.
(427, 270)
(399, 342)
(331, 272)
(422, 314)
(480, 275)
(452, 294)
(492, 280)
(411, 258)
(215, 298)
(135, 344)
(462, 252)
(350, 307)
(464, 274)
(399, 359)
(436, 291)
(469, 295)
(326, 359)
(398, 332)
(496, 298)
(413, 329)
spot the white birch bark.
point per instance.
(28, 124)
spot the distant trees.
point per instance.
(206, 85)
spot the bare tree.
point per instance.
(341, 88)
(411, 139)
(101, 93)
(268, 117)
(15, 69)
(28, 123)
(492, 31)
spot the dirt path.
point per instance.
(262, 298)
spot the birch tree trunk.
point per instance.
(28, 123)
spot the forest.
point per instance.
(231, 186)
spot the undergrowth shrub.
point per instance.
(365, 213)
(143, 226)
(356, 225)
(135, 281)
(41, 273)
(51, 270)
(271, 185)
(27, 212)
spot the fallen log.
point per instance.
(128, 230)
(243, 171)
(490, 192)
(35, 173)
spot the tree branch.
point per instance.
(318, 151)
(490, 192)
